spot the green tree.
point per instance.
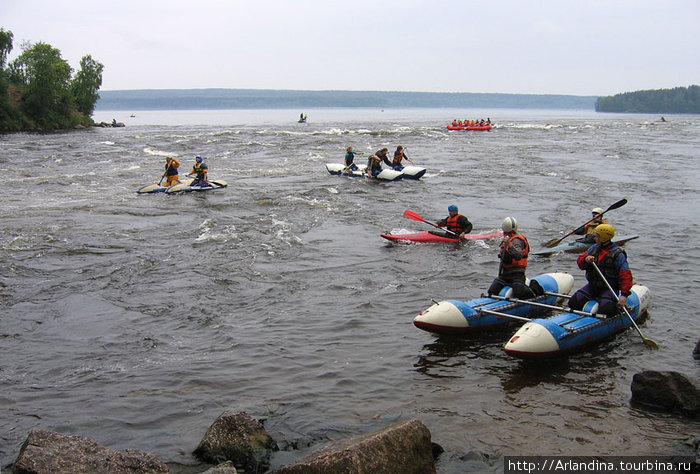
(10, 119)
(46, 97)
(5, 46)
(85, 84)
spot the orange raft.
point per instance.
(469, 127)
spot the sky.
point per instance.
(581, 47)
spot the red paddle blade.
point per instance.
(413, 216)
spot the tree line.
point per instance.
(680, 100)
(39, 92)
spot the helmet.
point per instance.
(509, 224)
(451, 207)
(597, 210)
(605, 232)
(198, 157)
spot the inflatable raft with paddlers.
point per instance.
(387, 174)
(460, 317)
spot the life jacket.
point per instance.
(590, 227)
(607, 268)
(452, 225)
(507, 260)
(349, 158)
(397, 159)
(171, 168)
(199, 168)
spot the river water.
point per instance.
(135, 320)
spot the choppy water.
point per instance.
(136, 320)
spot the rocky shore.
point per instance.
(237, 441)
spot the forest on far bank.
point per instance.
(679, 100)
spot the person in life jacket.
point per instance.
(399, 155)
(350, 159)
(200, 169)
(612, 262)
(383, 156)
(513, 252)
(588, 229)
(455, 222)
(171, 173)
(374, 166)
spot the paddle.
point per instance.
(415, 217)
(650, 343)
(555, 242)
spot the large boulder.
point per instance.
(48, 452)
(401, 448)
(238, 438)
(667, 391)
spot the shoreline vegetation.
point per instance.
(40, 92)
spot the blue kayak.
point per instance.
(569, 332)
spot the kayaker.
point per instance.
(374, 166)
(513, 253)
(200, 169)
(612, 262)
(382, 155)
(171, 173)
(456, 222)
(588, 229)
(399, 155)
(349, 159)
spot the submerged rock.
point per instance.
(401, 448)
(667, 391)
(696, 351)
(48, 452)
(238, 438)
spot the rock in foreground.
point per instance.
(238, 438)
(401, 448)
(667, 391)
(48, 452)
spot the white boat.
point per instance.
(339, 169)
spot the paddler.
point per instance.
(612, 262)
(383, 156)
(588, 229)
(456, 222)
(350, 158)
(171, 174)
(200, 169)
(374, 166)
(513, 253)
(399, 155)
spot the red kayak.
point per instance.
(469, 127)
(433, 236)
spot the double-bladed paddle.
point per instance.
(650, 343)
(415, 217)
(554, 242)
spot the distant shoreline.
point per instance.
(218, 99)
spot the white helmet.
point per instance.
(597, 210)
(509, 224)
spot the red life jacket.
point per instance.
(513, 262)
(452, 225)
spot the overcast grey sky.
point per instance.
(582, 47)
